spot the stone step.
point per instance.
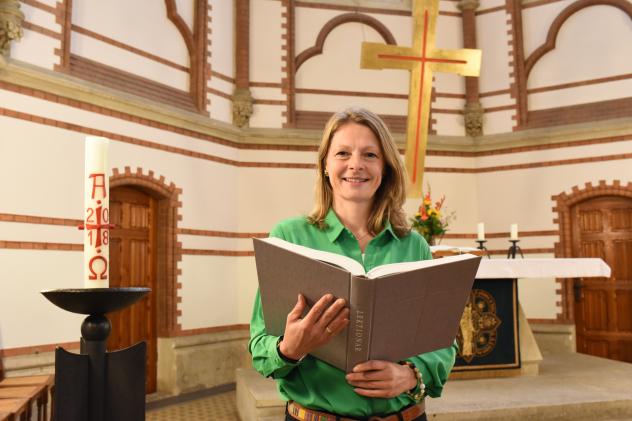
(569, 386)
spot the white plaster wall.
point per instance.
(186, 10)
(338, 67)
(16, 231)
(128, 61)
(222, 46)
(538, 296)
(461, 191)
(524, 196)
(449, 124)
(36, 49)
(268, 195)
(267, 93)
(267, 116)
(536, 22)
(309, 22)
(266, 58)
(26, 317)
(221, 85)
(263, 155)
(210, 292)
(582, 55)
(580, 95)
(333, 103)
(498, 122)
(247, 278)
(449, 32)
(265, 41)
(40, 17)
(141, 24)
(222, 56)
(555, 154)
(492, 39)
(221, 108)
(42, 108)
(48, 161)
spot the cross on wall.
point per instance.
(422, 59)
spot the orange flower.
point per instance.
(424, 214)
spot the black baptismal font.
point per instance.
(95, 384)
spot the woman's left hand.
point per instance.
(381, 379)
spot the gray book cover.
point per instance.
(393, 316)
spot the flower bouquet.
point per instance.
(429, 221)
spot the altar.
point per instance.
(495, 339)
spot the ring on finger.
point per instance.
(329, 330)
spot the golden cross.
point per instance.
(421, 59)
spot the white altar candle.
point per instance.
(481, 231)
(514, 232)
(96, 238)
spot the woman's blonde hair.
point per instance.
(389, 197)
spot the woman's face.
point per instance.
(355, 163)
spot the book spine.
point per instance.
(360, 321)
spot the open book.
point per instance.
(397, 310)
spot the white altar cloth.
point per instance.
(542, 268)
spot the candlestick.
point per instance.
(481, 232)
(96, 244)
(513, 249)
(514, 232)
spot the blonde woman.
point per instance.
(360, 191)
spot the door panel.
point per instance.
(133, 263)
(602, 227)
(624, 306)
(595, 310)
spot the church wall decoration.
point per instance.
(422, 60)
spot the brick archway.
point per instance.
(317, 48)
(564, 204)
(168, 248)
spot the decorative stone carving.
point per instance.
(473, 115)
(11, 18)
(468, 4)
(242, 106)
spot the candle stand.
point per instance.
(95, 384)
(481, 246)
(513, 249)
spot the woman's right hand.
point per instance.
(325, 319)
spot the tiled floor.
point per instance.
(219, 407)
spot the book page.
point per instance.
(339, 260)
(408, 266)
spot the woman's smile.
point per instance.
(355, 164)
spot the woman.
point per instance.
(360, 191)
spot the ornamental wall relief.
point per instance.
(11, 18)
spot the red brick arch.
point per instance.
(564, 204)
(555, 27)
(335, 22)
(168, 249)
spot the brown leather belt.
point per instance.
(301, 413)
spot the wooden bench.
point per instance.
(35, 389)
(15, 409)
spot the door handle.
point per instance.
(577, 288)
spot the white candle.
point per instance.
(96, 238)
(514, 232)
(481, 231)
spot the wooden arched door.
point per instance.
(133, 263)
(602, 227)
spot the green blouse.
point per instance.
(314, 383)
